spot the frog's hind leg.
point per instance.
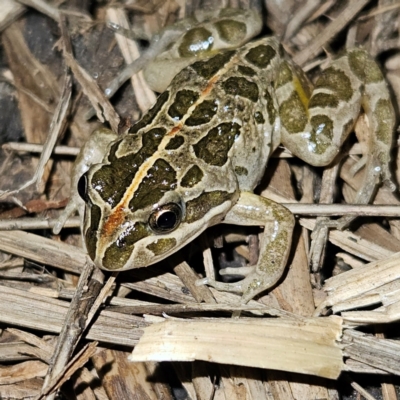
(187, 41)
(274, 245)
(314, 127)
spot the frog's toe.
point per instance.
(226, 287)
(70, 208)
(243, 271)
(387, 177)
(358, 165)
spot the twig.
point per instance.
(45, 251)
(43, 7)
(362, 391)
(56, 128)
(38, 148)
(188, 308)
(330, 31)
(378, 11)
(89, 286)
(97, 98)
(36, 223)
(77, 362)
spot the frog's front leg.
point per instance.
(274, 246)
(315, 125)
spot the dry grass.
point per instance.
(76, 326)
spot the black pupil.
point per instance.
(166, 220)
(82, 186)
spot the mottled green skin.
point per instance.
(191, 140)
(205, 144)
(192, 177)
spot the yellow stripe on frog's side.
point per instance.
(299, 88)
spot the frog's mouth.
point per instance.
(116, 242)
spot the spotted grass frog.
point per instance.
(195, 157)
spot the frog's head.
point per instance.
(135, 225)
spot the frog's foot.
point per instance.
(375, 169)
(358, 165)
(233, 287)
(243, 271)
(253, 210)
(248, 287)
(236, 287)
(386, 177)
(74, 204)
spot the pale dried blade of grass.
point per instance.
(88, 288)
(29, 338)
(389, 391)
(386, 295)
(98, 99)
(209, 268)
(167, 286)
(358, 282)
(24, 390)
(302, 14)
(204, 384)
(57, 127)
(189, 278)
(380, 315)
(38, 148)
(363, 392)
(380, 10)
(320, 234)
(278, 386)
(16, 351)
(16, 224)
(145, 97)
(263, 344)
(43, 7)
(28, 310)
(66, 373)
(352, 243)
(22, 371)
(347, 15)
(159, 309)
(373, 351)
(249, 378)
(359, 367)
(104, 293)
(42, 250)
(10, 11)
(295, 292)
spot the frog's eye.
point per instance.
(166, 218)
(82, 187)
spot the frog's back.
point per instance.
(217, 119)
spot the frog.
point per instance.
(195, 158)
